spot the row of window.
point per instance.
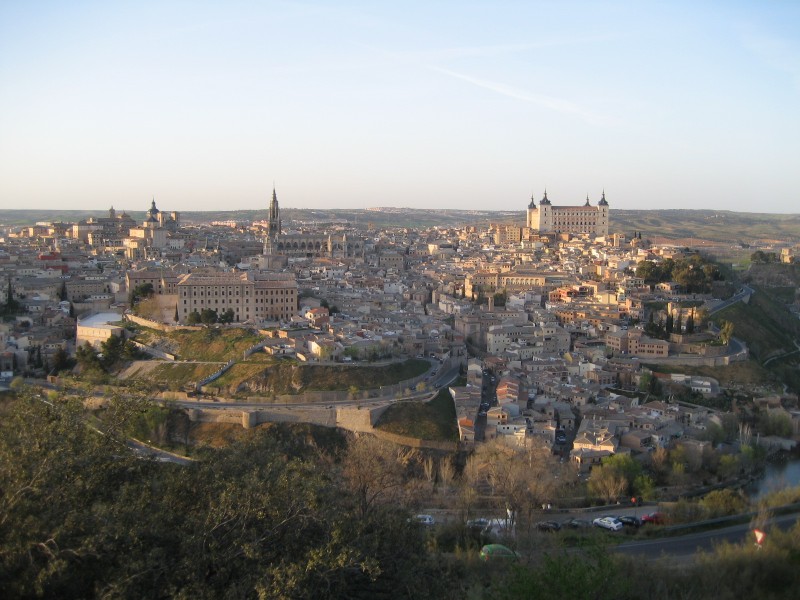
(278, 292)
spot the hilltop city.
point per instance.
(617, 368)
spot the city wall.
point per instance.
(360, 420)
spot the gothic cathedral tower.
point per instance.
(274, 220)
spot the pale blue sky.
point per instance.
(420, 104)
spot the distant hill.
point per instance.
(686, 227)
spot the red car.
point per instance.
(655, 518)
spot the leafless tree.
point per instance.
(428, 469)
(447, 471)
(376, 471)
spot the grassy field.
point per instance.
(238, 374)
(212, 344)
(748, 373)
(175, 375)
(287, 376)
(434, 420)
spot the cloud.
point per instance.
(555, 104)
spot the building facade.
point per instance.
(546, 218)
(251, 296)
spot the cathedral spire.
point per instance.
(274, 220)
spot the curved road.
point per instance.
(686, 546)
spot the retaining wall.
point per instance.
(153, 351)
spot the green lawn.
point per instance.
(176, 375)
(213, 344)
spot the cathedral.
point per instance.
(307, 245)
(547, 218)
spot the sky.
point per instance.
(434, 104)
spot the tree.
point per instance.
(625, 465)
(141, 291)
(607, 483)
(193, 318)
(61, 360)
(775, 423)
(208, 316)
(728, 466)
(62, 294)
(374, 471)
(176, 316)
(659, 462)
(726, 332)
(428, 469)
(721, 503)
(265, 518)
(447, 471)
(690, 322)
(644, 487)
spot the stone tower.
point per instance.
(274, 220)
(545, 214)
(602, 221)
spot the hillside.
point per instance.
(288, 376)
(771, 332)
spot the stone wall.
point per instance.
(160, 326)
(361, 420)
(153, 351)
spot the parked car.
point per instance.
(550, 526)
(655, 518)
(478, 524)
(576, 523)
(426, 520)
(492, 552)
(610, 523)
(630, 521)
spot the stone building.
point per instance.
(251, 296)
(547, 218)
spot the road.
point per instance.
(160, 455)
(740, 295)
(686, 546)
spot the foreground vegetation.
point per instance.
(315, 515)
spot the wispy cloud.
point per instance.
(429, 55)
(555, 104)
